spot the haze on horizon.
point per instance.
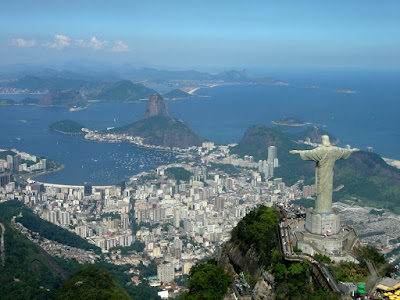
(203, 34)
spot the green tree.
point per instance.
(207, 281)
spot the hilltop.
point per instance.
(91, 282)
(364, 177)
(156, 106)
(253, 256)
(254, 265)
(60, 98)
(159, 129)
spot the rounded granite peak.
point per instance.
(156, 106)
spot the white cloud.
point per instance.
(120, 47)
(93, 43)
(23, 43)
(60, 42)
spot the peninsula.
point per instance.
(157, 128)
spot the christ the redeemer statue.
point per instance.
(325, 157)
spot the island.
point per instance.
(290, 122)
(67, 127)
(177, 94)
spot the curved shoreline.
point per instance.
(59, 168)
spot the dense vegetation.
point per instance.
(91, 282)
(207, 281)
(349, 272)
(28, 272)
(67, 126)
(45, 229)
(179, 174)
(370, 253)
(162, 131)
(257, 229)
(119, 273)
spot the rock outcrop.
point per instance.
(156, 106)
(235, 262)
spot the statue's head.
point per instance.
(325, 140)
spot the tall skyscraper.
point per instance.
(17, 163)
(10, 160)
(272, 153)
(88, 189)
(219, 203)
(122, 185)
(5, 179)
(177, 217)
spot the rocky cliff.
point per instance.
(156, 106)
(235, 261)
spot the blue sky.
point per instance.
(202, 34)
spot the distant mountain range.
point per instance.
(124, 90)
(67, 80)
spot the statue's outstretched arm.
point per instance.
(294, 151)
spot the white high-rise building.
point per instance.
(165, 272)
(272, 153)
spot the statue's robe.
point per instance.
(325, 157)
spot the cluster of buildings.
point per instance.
(177, 222)
(122, 137)
(17, 161)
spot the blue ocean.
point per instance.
(360, 108)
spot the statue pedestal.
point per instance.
(322, 224)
